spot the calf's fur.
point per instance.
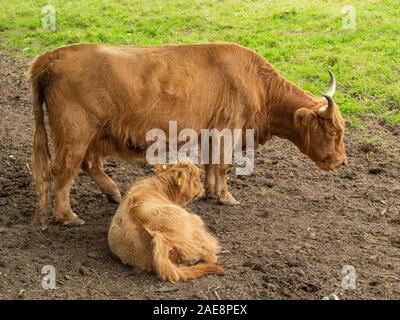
(151, 230)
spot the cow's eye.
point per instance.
(333, 134)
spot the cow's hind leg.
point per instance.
(70, 150)
(95, 170)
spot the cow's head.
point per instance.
(321, 132)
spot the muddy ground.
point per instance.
(294, 231)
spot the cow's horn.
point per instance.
(332, 85)
(326, 112)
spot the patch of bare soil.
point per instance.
(294, 231)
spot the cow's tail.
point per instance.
(168, 271)
(39, 76)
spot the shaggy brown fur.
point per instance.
(152, 231)
(102, 100)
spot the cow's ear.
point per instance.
(303, 117)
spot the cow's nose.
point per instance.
(344, 163)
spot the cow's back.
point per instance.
(132, 89)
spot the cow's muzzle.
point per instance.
(331, 165)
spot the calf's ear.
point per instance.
(180, 178)
(158, 168)
(304, 117)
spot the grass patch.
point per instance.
(354, 123)
(302, 39)
(372, 140)
(371, 143)
(269, 191)
(6, 219)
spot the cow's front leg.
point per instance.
(221, 186)
(94, 169)
(209, 183)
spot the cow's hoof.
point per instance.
(74, 223)
(42, 221)
(229, 200)
(114, 198)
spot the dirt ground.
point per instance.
(294, 231)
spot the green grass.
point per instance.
(372, 140)
(302, 39)
(372, 143)
(268, 191)
(7, 219)
(354, 123)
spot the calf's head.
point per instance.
(183, 180)
(320, 132)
